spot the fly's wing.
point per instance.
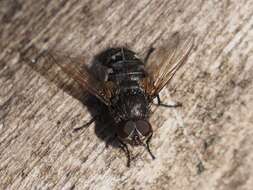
(169, 59)
(72, 67)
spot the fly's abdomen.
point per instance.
(121, 77)
(125, 68)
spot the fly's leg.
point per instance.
(150, 51)
(125, 149)
(165, 105)
(110, 140)
(148, 148)
(158, 100)
(86, 124)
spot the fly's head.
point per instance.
(135, 132)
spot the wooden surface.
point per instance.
(206, 144)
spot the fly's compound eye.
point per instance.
(127, 130)
(143, 128)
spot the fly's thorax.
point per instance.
(132, 105)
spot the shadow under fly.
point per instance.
(123, 87)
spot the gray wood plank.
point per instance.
(206, 144)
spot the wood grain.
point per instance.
(206, 144)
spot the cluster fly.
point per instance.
(131, 85)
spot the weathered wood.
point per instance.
(206, 144)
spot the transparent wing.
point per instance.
(75, 69)
(169, 59)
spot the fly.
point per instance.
(131, 85)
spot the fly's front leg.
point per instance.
(124, 147)
(110, 140)
(178, 104)
(147, 146)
